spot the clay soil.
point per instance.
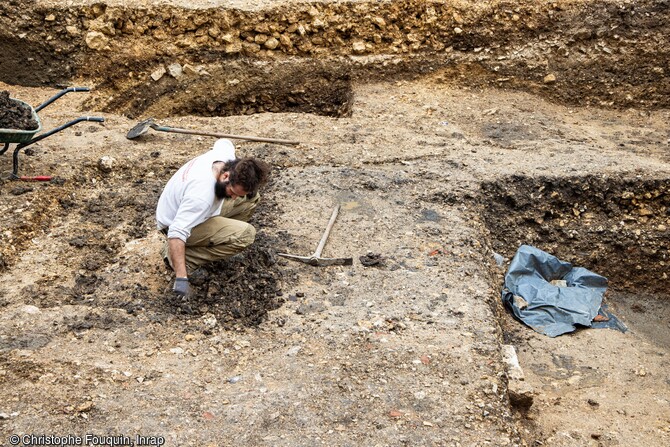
(541, 124)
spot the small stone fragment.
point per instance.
(95, 40)
(106, 163)
(358, 47)
(521, 394)
(189, 69)
(209, 320)
(175, 70)
(292, 352)
(271, 43)
(380, 22)
(395, 413)
(86, 406)
(31, 310)
(519, 302)
(158, 73)
(233, 48)
(550, 79)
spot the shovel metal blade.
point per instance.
(140, 128)
(318, 262)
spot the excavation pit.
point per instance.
(232, 89)
(381, 355)
(616, 227)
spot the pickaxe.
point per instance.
(316, 259)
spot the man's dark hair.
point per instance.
(250, 173)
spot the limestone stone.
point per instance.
(95, 40)
(271, 43)
(550, 78)
(158, 73)
(359, 47)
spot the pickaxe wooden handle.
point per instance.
(316, 259)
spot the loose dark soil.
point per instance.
(14, 115)
(238, 291)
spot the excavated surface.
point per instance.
(447, 131)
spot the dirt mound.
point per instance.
(15, 115)
(237, 292)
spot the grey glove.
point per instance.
(181, 287)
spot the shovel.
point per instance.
(144, 126)
(316, 259)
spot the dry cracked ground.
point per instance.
(446, 131)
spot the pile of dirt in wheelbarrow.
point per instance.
(14, 114)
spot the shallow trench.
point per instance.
(616, 227)
(605, 53)
(238, 89)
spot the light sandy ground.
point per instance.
(405, 354)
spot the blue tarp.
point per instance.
(551, 309)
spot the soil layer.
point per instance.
(447, 132)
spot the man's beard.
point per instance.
(221, 189)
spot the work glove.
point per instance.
(181, 287)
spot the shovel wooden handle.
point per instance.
(224, 135)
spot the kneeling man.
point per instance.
(204, 209)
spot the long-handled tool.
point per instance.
(316, 258)
(144, 126)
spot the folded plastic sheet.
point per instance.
(547, 308)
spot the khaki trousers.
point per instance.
(221, 236)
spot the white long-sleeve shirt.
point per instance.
(188, 198)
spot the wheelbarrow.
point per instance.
(24, 138)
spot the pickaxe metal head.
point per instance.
(318, 262)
